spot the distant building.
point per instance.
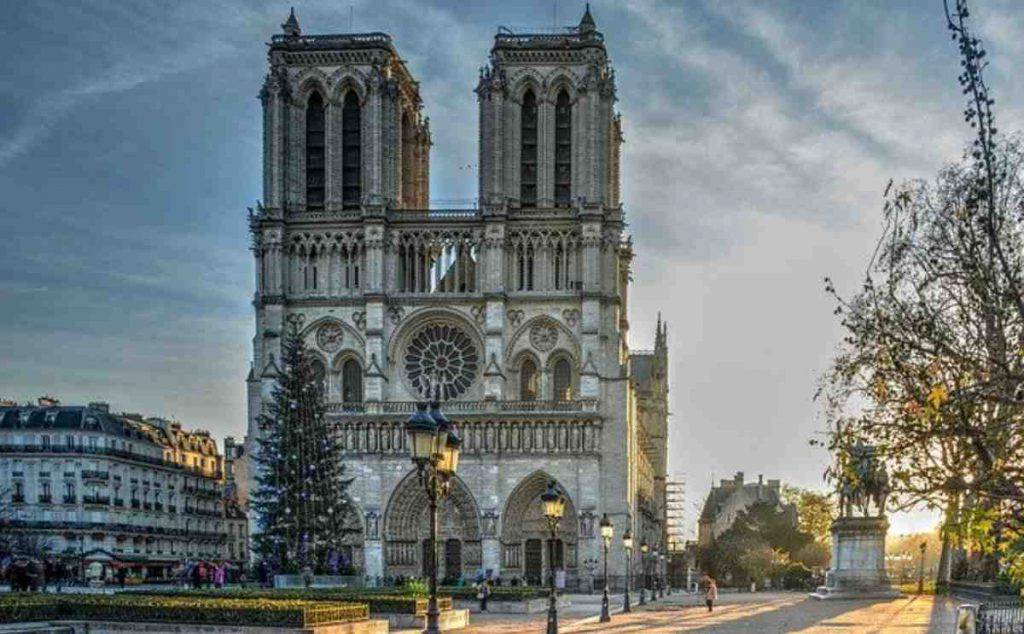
(115, 490)
(675, 514)
(726, 501)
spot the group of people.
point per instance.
(202, 574)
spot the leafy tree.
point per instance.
(815, 509)
(814, 554)
(300, 495)
(930, 371)
(762, 527)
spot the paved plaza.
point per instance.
(764, 613)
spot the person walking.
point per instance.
(711, 595)
(483, 592)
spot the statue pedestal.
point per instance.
(858, 561)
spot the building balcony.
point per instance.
(172, 508)
(136, 504)
(157, 506)
(402, 409)
(147, 506)
(96, 500)
(45, 499)
(70, 499)
(89, 474)
(17, 498)
(118, 502)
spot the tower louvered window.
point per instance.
(351, 131)
(528, 148)
(563, 150)
(315, 164)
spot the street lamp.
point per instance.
(553, 505)
(434, 448)
(661, 575)
(606, 535)
(643, 572)
(627, 545)
(652, 573)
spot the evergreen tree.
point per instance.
(300, 496)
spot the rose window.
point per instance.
(441, 361)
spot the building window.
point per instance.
(528, 381)
(315, 163)
(528, 151)
(351, 382)
(563, 380)
(319, 374)
(351, 146)
(563, 150)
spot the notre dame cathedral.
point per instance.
(515, 311)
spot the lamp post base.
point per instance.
(605, 615)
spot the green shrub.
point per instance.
(379, 600)
(498, 593)
(184, 609)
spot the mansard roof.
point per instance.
(68, 418)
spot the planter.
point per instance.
(525, 606)
(319, 581)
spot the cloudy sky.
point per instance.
(759, 137)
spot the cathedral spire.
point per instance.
(291, 25)
(587, 24)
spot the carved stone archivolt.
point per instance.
(523, 519)
(407, 525)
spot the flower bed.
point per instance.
(379, 601)
(170, 609)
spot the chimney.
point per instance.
(101, 406)
(739, 478)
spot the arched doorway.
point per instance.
(407, 532)
(528, 553)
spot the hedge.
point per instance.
(498, 593)
(379, 601)
(165, 609)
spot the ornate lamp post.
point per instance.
(643, 573)
(434, 448)
(627, 545)
(606, 536)
(652, 573)
(663, 573)
(553, 504)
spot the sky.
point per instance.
(759, 139)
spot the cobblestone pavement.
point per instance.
(764, 613)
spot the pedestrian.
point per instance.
(711, 595)
(218, 576)
(483, 592)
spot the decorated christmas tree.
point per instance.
(300, 498)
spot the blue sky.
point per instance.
(759, 137)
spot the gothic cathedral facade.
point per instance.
(513, 312)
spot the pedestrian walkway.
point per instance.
(763, 613)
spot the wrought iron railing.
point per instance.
(1001, 617)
